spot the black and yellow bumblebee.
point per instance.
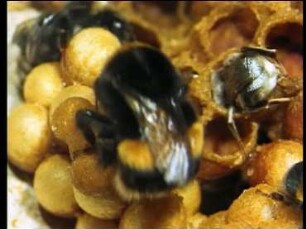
(43, 38)
(143, 123)
(249, 81)
(292, 191)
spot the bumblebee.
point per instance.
(143, 123)
(294, 182)
(247, 82)
(292, 192)
(43, 38)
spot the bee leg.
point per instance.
(233, 128)
(188, 112)
(277, 101)
(269, 103)
(100, 132)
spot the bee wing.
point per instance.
(176, 163)
(168, 146)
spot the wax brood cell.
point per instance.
(227, 27)
(161, 24)
(284, 31)
(221, 150)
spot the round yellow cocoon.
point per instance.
(272, 162)
(87, 221)
(255, 207)
(165, 212)
(88, 175)
(53, 186)
(28, 136)
(107, 205)
(86, 55)
(63, 123)
(43, 84)
(72, 91)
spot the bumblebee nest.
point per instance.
(229, 191)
